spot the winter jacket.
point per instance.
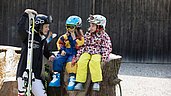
(70, 46)
(96, 43)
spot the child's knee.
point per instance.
(70, 68)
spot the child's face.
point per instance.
(92, 27)
(45, 29)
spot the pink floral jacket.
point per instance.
(96, 43)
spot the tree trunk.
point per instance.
(8, 65)
(2, 64)
(9, 89)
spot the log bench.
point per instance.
(107, 86)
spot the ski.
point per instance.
(29, 75)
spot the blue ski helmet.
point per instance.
(40, 20)
(74, 20)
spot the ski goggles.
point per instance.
(70, 27)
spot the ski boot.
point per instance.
(56, 80)
(71, 83)
(96, 87)
(78, 86)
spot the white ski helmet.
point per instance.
(98, 20)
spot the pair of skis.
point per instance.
(28, 75)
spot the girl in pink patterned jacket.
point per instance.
(96, 49)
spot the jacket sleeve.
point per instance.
(60, 43)
(79, 42)
(82, 48)
(22, 26)
(106, 47)
(79, 52)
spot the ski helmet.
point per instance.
(40, 20)
(98, 20)
(74, 20)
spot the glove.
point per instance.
(51, 58)
(29, 11)
(63, 53)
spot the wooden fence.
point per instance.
(139, 29)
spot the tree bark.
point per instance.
(8, 64)
(9, 89)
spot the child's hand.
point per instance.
(29, 11)
(73, 35)
(51, 58)
(63, 53)
(74, 60)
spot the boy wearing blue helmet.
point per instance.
(67, 45)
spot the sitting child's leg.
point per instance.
(56, 80)
(58, 64)
(71, 70)
(95, 70)
(82, 70)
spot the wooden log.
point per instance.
(2, 64)
(110, 79)
(8, 62)
(9, 89)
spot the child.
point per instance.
(97, 47)
(39, 47)
(67, 45)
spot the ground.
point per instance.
(145, 79)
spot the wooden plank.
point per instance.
(139, 29)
